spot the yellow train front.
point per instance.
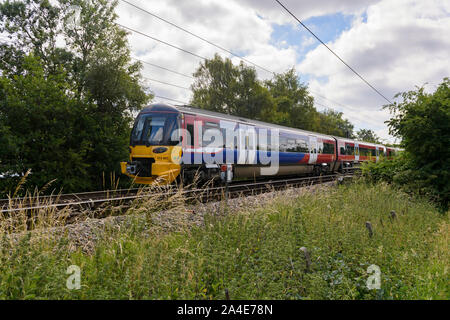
(155, 151)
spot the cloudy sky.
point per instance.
(394, 44)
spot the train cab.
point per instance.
(155, 145)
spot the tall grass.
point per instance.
(254, 253)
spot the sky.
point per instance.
(396, 45)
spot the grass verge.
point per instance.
(255, 254)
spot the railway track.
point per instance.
(93, 200)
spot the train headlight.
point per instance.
(176, 155)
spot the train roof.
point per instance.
(193, 110)
(370, 144)
(159, 107)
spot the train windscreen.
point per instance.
(154, 129)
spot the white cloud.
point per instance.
(228, 24)
(403, 43)
(272, 11)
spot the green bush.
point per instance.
(422, 121)
(402, 172)
(65, 112)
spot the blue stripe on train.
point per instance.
(220, 157)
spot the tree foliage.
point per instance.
(220, 86)
(422, 121)
(331, 122)
(65, 110)
(367, 135)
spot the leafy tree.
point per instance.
(33, 26)
(331, 122)
(367, 135)
(294, 106)
(67, 110)
(220, 86)
(422, 120)
(43, 122)
(105, 77)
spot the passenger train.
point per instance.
(179, 142)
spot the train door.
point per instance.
(312, 150)
(189, 136)
(377, 153)
(356, 152)
(251, 145)
(188, 143)
(247, 144)
(228, 129)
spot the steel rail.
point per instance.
(200, 192)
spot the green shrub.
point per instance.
(422, 120)
(403, 172)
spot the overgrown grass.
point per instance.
(255, 254)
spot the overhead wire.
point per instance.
(161, 97)
(161, 41)
(196, 35)
(166, 83)
(211, 43)
(334, 53)
(163, 68)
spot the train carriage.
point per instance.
(352, 152)
(170, 142)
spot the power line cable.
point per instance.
(197, 36)
(163, 68)
(166, 83)
(164, 42)
(161, 97)
(191, 53)
(354, 71)
(325, 98)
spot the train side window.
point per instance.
(291, 146)
(342, 150)
(265, 144)
(364, 152)
(283, 144)
(301, 146)
(190, 130)
(328, 148)
(349, 150)
(210, 126)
